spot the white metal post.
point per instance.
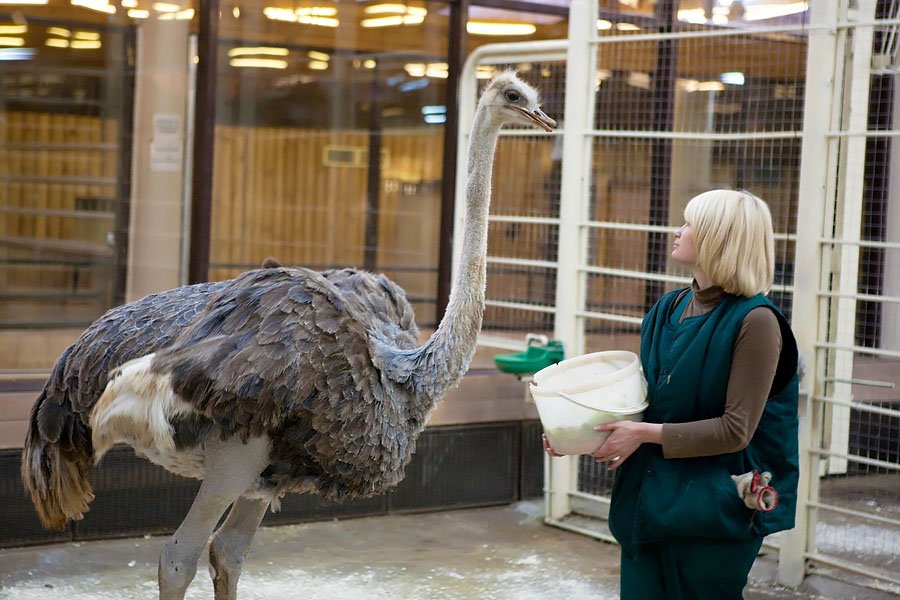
(849, 228)
(814, 179)
(580, 70)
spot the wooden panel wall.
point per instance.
(47, 161)
(274, 196)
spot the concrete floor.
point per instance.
(490, 553)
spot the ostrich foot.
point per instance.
(231, 543)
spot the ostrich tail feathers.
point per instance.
(56, 460)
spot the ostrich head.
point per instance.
(512, 101)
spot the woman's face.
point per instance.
(683, 250)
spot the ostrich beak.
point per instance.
(538, 118)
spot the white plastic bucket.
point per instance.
(577, 394)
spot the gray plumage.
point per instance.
(320, 376)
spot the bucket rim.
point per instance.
(634, 365)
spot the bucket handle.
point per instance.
(616, 411)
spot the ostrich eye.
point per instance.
(513, 96)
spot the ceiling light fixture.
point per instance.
(495, 28)
(392, 21)
(692, 15)
(259, 63)
(380, 9)
(257, 50)
(85, 44)
(97, 5)
(165, 7)
(759, 12)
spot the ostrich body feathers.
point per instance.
(276, 352)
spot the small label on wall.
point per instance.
(167, 147)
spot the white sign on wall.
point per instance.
(167, 147)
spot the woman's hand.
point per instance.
(548, 448)
(625, 438)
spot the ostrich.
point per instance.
(280, 380)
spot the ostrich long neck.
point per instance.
(447, 354)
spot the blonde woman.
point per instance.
(713, 467)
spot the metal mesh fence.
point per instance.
(744, 132)
(680, 109)
(855, 434)
(691, 101)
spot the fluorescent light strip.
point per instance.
(759, 12)
(12, 29)
(87, 35)
(318, 21)
(317, 11)
(382, 21)
(257, 50)
(259, 63)
(182, 15)
(318, 55)
(85, 44)
(59, 31)
(99, 6)
(137, 13)
(57, 43)
(165, 7)
(12, 41)
(16, 53)
(280, 14)
(380, 9)
(491, 28)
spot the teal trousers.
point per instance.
(688, 569)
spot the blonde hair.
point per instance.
(733, 237)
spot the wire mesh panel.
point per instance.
(695, 97)
(854, 517)
(681, 107)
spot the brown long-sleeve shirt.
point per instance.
(753, 366)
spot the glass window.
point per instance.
(72, 75)
(329, 139)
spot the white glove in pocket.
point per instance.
(755, 491)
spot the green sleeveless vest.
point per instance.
(687, 365)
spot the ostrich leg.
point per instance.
(230, 544)
(230, 468)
